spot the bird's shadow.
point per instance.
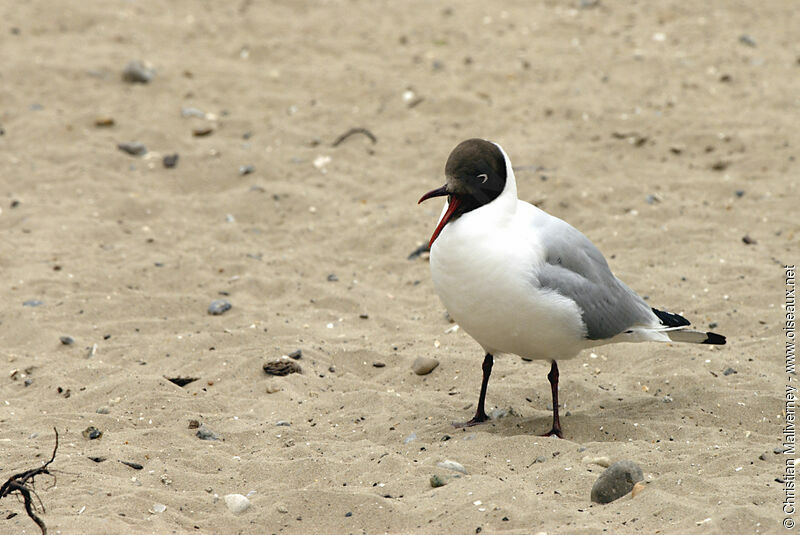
(641, 418)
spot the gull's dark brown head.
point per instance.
(475, 175)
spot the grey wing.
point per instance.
(576, 269)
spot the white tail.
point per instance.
(695, 337)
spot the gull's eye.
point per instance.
(484, 177)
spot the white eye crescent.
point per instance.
(484, 177)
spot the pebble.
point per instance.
(424, 365)
(616, 481)
(452, 465)
(729, 371)
(282, 508)
(246, 169)
(137, 72)
(437, 481)
(219, 306)
(332, 277)
(271, 389)
(500, 412)
(763, 456)
(778, 450)
(602, 461)
(637, 488)
(747, 40)
(189, 111)
(281, 367)
(540, 459)
(747, 240)
(283, 423)
(104, 122)
(202, 131)
(204, 433)
(32, 303)
(103, 410)
(297, 354)
(378, 364)
(158, 508)
(410, 438)
(92, 433)
(236, 503)
(67, 340)
(134, 148)
(171, 160)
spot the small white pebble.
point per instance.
(237, 503)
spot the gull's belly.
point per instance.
(489, 288)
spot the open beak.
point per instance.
(451, 208)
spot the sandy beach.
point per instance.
(666, 133)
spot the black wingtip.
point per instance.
(671, 320)
(715, 339)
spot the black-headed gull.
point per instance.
(521, 281)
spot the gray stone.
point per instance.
(246, 169)
(134, 148)
(92, 433)
(424, 365)
(616, 481)
(188, 111)
(67, 340)
(747, 40)
(452, 465)
(171, 160)
(219, 306)
(204, 433)
(32, 303)
(137, 72)
(103, 410)
(437, 481)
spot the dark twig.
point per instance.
(18, 483)
(353, 131)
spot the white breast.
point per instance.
(483, 267)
